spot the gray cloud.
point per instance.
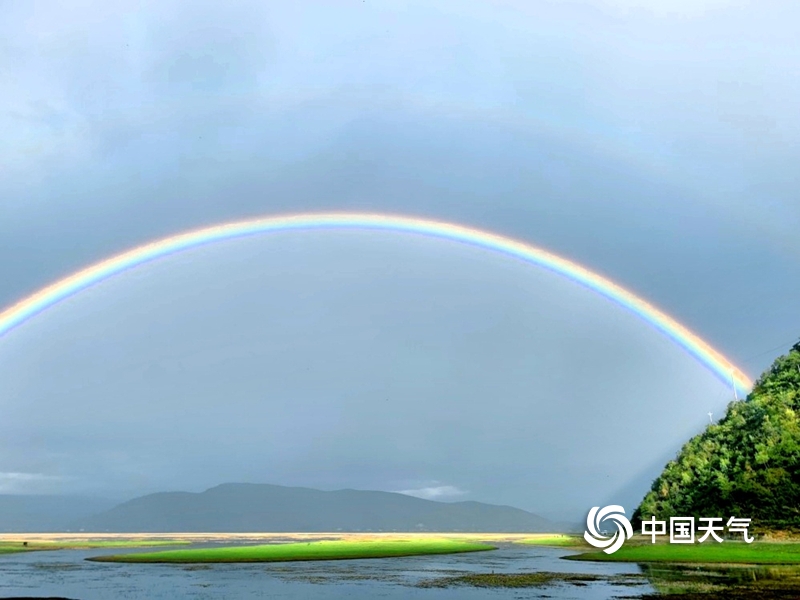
(654, 142)
(435, 492)
(29, 483)
(347, 360)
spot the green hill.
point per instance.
(747, 465)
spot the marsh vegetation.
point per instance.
(728, 552)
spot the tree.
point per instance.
(747, 465)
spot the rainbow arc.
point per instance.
(29, 307)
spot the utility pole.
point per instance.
(735, 393)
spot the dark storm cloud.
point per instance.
(652, 142)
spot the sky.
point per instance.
(653, 142)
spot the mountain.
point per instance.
(242, 507)
(31, 513)
(747, 465)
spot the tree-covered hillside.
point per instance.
(747, 465)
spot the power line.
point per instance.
(784, 345)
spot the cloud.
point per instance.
(434, 492)
(21, 483)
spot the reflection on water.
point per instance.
(748, 581)
(65, 573)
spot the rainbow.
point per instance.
(51, 295)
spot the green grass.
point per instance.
(9, 547)
(730, 552)
(322, 550)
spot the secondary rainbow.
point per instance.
(53, 294)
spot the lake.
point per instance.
(65, 573)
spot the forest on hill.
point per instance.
(746, 465)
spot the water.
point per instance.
(65, 573)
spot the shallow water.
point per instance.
(65, 573)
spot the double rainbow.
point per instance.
(29, 307)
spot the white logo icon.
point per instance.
(610, 544)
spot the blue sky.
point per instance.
(655, 142)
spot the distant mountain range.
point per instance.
(241, 507)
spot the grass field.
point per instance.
(11, 546)
(61, 541)
(728, 552)
(319, 550)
